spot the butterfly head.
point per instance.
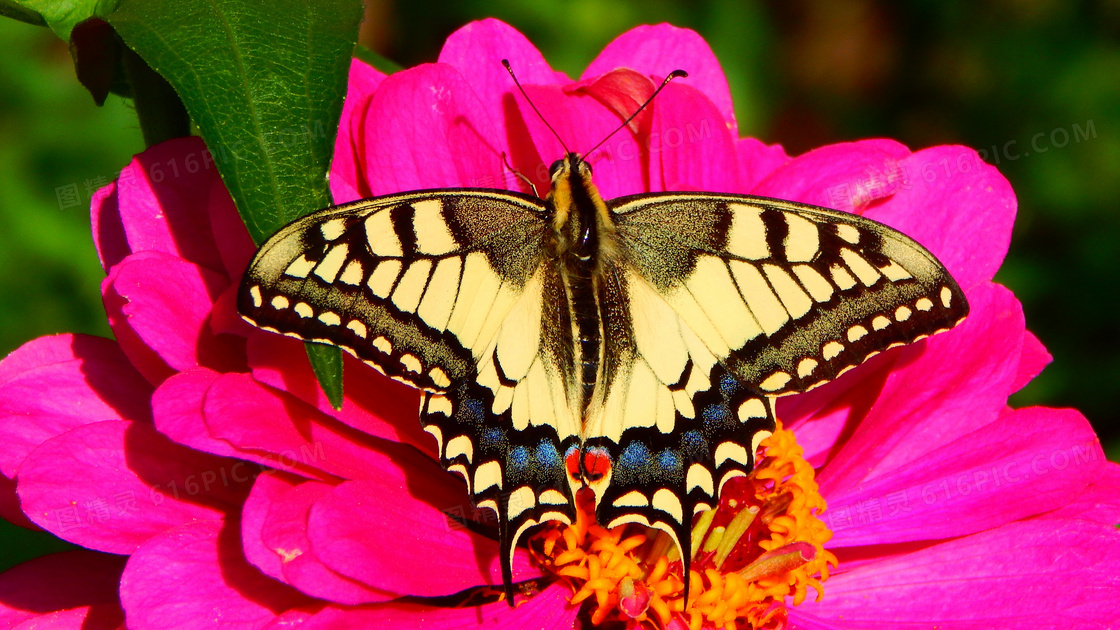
(579, 214)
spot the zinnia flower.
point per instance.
(946, 507)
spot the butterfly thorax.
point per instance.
(582, 224)
(583, 238)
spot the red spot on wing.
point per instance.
(588, 464)
(596, 463)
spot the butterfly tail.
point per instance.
(506, 544)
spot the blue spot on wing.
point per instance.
(634, 456)
(518, 458)
(546, 454)
(669, 459)
(728, 385)
(715, 414)
(492, 437)
(474, 408)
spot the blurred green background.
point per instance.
(1033, 84)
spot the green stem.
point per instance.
(16, 12)
(162, 114)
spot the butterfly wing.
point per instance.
(729, 302)
(507, 430)
(786, 296)
(448, 291)
(414, 284)
(673, 421)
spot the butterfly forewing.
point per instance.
(787, 296)
(415, 284)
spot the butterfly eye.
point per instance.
(555, 168)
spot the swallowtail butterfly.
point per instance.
(634, 345)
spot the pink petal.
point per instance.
(956, 205)
(372, 403)
(345, 191)
(825, 418)
(112, 485)
(230, 235)
(1033, 359)
(108, 231)
(548, 610)
(284, 534)
(10, 509)
(476, 51)
(1028, 462)
(267, 489)
(290, 435)
(160, 193)
(158, 307)
(57, 582)
(345, 174)
(1041, 573)
(658, 50)
(226, 320)
(621, 92)
(53, 384)
(692, 142)
(582, 121)
(1101, 500)
(177, 409)
(195, 574)
(102, 617)
(756, 161)
(846, 176)
(942, 387)
(377, 531)
(291, 618)
(425, 129)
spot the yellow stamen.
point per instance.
(774, 521)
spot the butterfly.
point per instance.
(633, 346)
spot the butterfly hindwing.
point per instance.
(675, 424)
(507, 429)
(413, 284)
(787, 296)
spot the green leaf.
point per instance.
(60, 15)
(19, 545)
(264, 84)
(11, 9)
(162, 115)
(388, 66)
(326, 362)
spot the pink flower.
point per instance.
(948, 508)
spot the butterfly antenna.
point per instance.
(505, 62)
(676, 74)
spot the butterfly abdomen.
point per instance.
(585, 317)
(574, 204)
